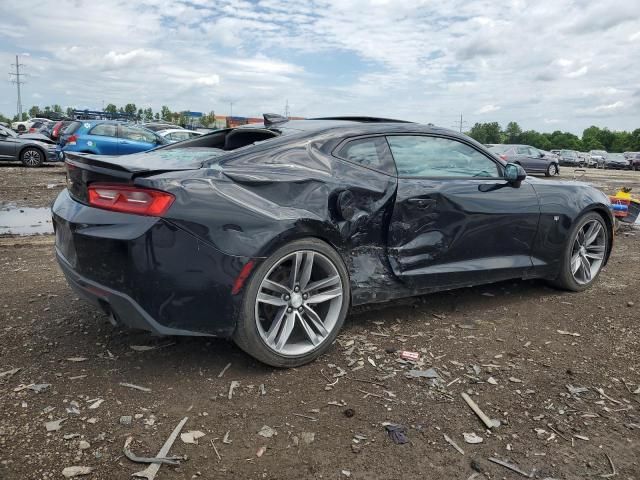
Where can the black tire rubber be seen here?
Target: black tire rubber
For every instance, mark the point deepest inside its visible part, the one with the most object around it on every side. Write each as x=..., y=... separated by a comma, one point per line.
x=247, y=336
x=565, y=280
x=40, y=152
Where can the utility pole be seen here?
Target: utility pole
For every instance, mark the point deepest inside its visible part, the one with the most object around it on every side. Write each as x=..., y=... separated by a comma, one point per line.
x=18, y=81
x=460, y=125
x=231, y=113
x=286, y=109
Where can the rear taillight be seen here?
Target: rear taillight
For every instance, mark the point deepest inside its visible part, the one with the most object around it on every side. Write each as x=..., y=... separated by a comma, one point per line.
x=32, y=130
x=129, y=199
x=503, y=157
x=72, y=140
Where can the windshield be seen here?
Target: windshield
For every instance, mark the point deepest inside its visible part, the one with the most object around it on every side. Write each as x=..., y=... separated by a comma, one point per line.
x=598, y=152
x=568, y=153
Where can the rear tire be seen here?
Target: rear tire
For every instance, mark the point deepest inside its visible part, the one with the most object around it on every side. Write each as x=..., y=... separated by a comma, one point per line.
x=32, y=157
x=278, y=324
x=581, y=250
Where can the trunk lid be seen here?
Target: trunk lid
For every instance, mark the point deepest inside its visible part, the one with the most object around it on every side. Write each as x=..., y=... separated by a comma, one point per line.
x=84, y=169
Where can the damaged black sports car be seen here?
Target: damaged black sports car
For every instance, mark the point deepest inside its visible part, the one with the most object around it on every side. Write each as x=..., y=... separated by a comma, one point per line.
x=269, y=234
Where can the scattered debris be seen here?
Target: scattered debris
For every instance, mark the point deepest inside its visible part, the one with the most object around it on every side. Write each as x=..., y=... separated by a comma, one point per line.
x=84, y=445
x=135, y=387
x=492, y=381
x=10, y=373
x=146, y=348
x=308, y=437
x=604, y=395
x=411, y=356
x=472, y=438
x=234, y=384
x=309, y=417
x=192, y=436
x=150, y=472
x=349, y=412
x=54, y=425
x=267, y=432
x=476, y=409
x=224, y=370
x=515, y=380
x=71, y=472
x=36, y=387
x=397, y=433
x=576, y=390
x=225, y=439
x=126, y=420
x=613, y=469
x=263, y=391
x=261, y=451
x=453, y=444
x=512, y=467
x=429, y=373
x=134, y=458
x=96, y=404
x=346, y=473
x=77, y=359
x=564, y=332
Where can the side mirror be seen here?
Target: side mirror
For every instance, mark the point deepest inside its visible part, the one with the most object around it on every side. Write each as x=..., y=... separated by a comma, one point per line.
x=3, y=133
x=542, y=154
x=514, y=174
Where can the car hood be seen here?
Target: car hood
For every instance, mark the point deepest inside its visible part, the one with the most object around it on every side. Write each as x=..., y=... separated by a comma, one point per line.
x=38, y=137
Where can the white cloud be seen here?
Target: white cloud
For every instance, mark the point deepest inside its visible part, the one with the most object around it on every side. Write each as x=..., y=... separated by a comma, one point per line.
x=487, y=109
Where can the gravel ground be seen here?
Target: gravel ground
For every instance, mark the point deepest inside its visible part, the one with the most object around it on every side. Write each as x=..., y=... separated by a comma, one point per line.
x=559, y=370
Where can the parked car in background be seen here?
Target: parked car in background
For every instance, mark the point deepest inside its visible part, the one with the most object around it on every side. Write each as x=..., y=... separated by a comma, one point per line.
x=157, y=126
x=634, y=160
x=58, y=128
x=38, y=125
x=570, y=158
x=25, y=125
x=551, y=156
x=616, y=161
x=229, y=234
x=31, y=152
x=108, y=137
x=599, y=156
x=178, y=134
x=530, y=158
x=585, y=159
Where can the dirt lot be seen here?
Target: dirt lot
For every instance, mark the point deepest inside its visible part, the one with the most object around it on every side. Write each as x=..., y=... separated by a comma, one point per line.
x=520, y=349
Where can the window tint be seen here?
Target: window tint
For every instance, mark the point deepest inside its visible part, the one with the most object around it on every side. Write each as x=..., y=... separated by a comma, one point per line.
x=523, y=151
x=137, y=134
x=369, y=152
x=179, y=135
x=423, y=156
x=533, y=152
x=104, y=129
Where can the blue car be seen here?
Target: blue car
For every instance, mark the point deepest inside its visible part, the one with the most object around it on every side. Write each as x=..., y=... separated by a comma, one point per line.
x=106, y=137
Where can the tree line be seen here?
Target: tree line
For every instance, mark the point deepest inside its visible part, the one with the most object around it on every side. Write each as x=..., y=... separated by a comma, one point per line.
x=593, y=138
x=130, y=109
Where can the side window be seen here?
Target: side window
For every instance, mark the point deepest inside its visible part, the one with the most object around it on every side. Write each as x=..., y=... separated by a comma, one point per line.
x=369, y=152
x=424, y=156
x=523, y=151
x=104, y=129
x=533, y=152
x=137, y=134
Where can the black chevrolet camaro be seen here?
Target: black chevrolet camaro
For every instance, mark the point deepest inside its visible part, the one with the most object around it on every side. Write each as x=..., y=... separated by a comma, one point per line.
x=270, y=234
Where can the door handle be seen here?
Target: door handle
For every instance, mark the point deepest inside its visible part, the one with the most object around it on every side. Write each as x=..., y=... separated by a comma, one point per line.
x=422, y=202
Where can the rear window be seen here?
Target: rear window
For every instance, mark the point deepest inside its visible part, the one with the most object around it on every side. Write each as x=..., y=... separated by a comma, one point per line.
x=500, y=148
x=369, y=152
x=71, y=128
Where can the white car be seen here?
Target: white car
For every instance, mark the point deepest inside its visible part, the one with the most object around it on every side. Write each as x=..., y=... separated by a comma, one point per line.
x=24, y=126
x=178, y=134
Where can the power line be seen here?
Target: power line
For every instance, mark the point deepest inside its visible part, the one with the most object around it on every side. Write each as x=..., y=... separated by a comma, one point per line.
x=16, y=78
x=459, y=125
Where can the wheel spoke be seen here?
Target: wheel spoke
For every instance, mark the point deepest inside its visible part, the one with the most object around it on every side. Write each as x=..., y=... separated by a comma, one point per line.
x=575, y=263
x=285, y=333
x=271, y=299
x=275, y=325
x=325, y=296
x=295, y=268
x=316, y=321
x=580, y=237
x=306, y=271
x=592, y=233
x=327, y=282
x=311, y=335
x=274, y=286
x=586, y=268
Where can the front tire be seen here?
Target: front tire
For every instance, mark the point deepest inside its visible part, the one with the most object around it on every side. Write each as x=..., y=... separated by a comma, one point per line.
x=32, y=157
x=552, y=170
x=584, y=253
x=294, y=304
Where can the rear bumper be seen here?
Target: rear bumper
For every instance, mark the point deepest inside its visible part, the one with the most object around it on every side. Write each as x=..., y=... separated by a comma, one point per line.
x=146, y=271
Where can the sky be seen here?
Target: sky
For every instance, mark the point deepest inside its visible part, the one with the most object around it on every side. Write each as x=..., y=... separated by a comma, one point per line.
x=547, y=64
